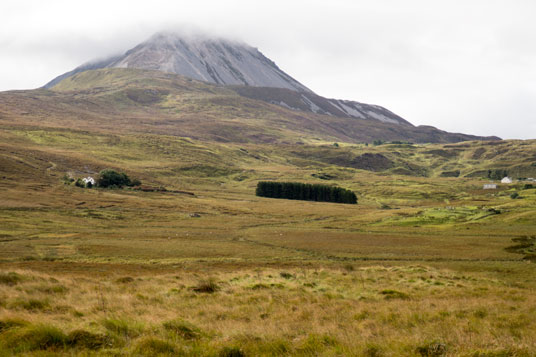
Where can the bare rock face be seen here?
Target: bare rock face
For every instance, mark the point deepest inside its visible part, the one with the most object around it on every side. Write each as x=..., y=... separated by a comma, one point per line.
x=310, y=102
x=211, y=60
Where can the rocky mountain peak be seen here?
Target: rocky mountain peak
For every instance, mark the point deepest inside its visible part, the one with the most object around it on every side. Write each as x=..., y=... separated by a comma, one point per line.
x=213, y=60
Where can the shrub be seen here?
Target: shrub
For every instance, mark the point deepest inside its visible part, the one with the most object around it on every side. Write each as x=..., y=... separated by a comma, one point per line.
x=497, y=174
x=111, y=178
x=67, y=179
x=183, y=329
x=514, y=195
x=80, y=183
x=86, y=339
x=528, y=186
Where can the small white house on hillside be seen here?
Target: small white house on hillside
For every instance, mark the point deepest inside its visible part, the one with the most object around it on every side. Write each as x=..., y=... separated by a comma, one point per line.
x=490, y=186
x=506, y=180
x=89, y=179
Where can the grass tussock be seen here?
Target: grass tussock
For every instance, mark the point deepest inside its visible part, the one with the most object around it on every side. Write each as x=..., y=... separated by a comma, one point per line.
x=125, y=280
x=10, y=278
x=286, y=275
x=9, y=323
x=31, y=304
x=208, y=286
x=231, y=352
x=391, y=294
x=432, y=349
x=83, y=339
x=34, y=337
x=153, y=346
x=123, y=328
x=183, y=329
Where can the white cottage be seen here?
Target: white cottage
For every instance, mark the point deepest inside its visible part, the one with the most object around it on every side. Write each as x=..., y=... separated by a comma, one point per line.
x=490, y=186
x=89, y=179
x=506, y=180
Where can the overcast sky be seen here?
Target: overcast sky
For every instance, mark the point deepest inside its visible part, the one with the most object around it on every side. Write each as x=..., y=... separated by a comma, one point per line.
x=460, y=65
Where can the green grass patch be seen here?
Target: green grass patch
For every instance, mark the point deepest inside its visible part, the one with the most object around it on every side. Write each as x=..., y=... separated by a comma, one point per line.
x=33, y=337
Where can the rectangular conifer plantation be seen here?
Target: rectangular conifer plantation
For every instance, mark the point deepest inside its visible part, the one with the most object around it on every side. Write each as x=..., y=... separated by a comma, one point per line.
x=305, y=192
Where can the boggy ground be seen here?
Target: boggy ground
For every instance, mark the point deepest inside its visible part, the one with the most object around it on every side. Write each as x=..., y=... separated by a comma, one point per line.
x=423, y=265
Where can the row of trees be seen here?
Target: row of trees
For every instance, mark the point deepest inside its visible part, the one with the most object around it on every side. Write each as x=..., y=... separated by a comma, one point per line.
x=381, y=142
x=305, y=191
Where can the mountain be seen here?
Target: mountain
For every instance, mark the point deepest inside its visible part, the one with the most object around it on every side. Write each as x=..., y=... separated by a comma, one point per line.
x=225, y=62
x=209, y=89
x=310, y=102
x=216, y=61
x=135, y=101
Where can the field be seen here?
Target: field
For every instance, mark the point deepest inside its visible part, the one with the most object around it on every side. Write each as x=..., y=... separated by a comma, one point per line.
x=423, y=265
x=428, y=263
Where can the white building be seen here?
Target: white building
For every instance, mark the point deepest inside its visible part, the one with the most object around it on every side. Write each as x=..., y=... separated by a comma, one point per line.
x=490, y=186
x=89, y=179
x=506, y=180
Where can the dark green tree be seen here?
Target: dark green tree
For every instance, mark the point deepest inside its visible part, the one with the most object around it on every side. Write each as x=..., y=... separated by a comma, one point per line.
x=112, y=178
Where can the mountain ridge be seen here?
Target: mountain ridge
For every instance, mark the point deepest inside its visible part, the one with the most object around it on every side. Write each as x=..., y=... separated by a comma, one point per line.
x=123, y=100
x=232, y=63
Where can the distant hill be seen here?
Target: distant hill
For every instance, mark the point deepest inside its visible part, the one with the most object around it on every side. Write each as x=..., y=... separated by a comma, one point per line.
x=120, y=100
